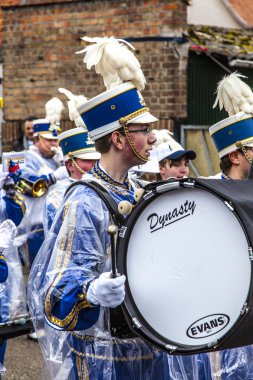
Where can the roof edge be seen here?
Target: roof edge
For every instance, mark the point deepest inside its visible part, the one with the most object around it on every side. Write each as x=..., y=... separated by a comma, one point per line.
x=234, y=14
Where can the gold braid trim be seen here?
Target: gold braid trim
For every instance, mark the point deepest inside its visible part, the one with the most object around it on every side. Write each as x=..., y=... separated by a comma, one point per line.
x=77, y=166
x=133, y=147
x=239, y=145
x=72, y=317
x=125, y=119
x=20, y=202
x=2, y=257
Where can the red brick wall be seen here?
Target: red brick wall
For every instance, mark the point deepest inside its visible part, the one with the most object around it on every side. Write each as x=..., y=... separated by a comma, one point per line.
x=40, y=41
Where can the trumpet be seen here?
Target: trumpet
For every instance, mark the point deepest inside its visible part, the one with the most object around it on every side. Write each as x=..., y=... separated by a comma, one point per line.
x=37, y=189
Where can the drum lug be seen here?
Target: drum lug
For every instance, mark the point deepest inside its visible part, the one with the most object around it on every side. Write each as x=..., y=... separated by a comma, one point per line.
x=136, y=323
x=250, y=253
x=167, y=186
x=228, y=204
x=188, y=184
x=244, y=309
x=170, y=348
x=122, y=231
x=213, y=344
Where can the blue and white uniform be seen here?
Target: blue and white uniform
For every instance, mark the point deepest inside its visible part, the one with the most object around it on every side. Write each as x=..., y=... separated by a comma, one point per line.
x=75, y=252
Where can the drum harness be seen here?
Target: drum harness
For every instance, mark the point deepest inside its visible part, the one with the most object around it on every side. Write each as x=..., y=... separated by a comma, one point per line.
x=118, y=324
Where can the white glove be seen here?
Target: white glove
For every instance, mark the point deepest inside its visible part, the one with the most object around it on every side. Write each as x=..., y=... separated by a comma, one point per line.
x=3, y=177
x=58, y=156
x=107, y=291
x=8, y=232
x=20, y=240
x=61, y=173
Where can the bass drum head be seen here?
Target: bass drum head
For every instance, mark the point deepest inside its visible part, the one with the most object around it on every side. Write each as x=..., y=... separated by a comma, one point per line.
x=186, y=258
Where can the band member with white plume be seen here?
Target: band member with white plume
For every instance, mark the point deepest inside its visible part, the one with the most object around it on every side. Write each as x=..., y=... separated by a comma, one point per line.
x=79, y=156
x=233, y=136
x=71, y=285
x=44, y=160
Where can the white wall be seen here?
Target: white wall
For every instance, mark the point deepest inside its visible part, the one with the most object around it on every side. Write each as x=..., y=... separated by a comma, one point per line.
x=212, y=13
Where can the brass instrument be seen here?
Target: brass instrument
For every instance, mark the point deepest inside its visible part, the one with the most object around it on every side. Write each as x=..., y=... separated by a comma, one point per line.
x=37, y=189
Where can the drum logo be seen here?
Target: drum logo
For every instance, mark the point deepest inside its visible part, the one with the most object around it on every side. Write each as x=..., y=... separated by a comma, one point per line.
x=160, y=221
x=208, y=326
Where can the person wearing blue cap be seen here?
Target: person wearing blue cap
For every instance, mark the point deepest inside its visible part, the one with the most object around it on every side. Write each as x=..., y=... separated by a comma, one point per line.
x=71, y=290
x=174, y=160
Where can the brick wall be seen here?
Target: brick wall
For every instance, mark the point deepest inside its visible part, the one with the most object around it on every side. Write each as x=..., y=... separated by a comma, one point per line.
x=40, y=40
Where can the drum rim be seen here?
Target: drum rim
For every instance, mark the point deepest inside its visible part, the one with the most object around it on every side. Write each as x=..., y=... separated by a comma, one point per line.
x=129, y=306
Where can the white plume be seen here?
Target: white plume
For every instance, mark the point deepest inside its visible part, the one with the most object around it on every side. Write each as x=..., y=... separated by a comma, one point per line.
x=162, y=136
x=114, y=61
x=74, y=101
x=234, y=95
x=54, y=108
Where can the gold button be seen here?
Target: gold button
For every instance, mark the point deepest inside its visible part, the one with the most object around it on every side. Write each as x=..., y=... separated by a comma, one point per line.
x=113, y=107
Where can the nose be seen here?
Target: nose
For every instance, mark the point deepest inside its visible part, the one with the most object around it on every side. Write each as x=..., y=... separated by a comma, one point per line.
x=152, y=139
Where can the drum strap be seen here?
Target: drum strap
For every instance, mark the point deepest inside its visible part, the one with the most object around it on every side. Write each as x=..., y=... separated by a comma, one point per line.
x=118, y=323
x=104, y=195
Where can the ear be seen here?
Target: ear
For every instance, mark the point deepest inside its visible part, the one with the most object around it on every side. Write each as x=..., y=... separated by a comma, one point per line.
x=162, y=170
x=68, y=164
x=117, y=140
x=235, y=157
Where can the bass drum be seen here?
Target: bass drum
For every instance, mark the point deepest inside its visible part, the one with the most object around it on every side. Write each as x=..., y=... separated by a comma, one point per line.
x=187, y=259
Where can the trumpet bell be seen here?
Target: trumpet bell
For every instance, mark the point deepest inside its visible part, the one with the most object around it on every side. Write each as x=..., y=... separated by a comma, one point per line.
x=37, y=189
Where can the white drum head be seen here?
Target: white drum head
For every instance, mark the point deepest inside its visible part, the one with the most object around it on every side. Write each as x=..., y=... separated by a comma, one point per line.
x=188, y=267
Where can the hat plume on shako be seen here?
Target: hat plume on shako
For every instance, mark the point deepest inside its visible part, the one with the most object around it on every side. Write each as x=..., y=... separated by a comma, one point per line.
x=122, y=103
x=236, y=131
x=49, y=127
x=76, y=142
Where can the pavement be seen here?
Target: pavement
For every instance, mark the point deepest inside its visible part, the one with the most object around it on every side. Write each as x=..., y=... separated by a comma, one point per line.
x=23, y=359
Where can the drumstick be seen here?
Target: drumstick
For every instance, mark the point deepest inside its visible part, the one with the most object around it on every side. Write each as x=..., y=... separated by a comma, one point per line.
x=112, y=230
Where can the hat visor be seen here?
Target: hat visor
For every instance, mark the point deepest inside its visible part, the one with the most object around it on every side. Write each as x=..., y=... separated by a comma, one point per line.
x=144, y=118
x=190, y=154
x=86, y=156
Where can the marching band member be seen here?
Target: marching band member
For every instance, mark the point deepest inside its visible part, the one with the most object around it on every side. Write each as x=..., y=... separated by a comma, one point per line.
x=167, y=160
x=71, y=291
x=11, y=289
x=174, y=160
x=233, y=138
x=79, y=155
x=44, y=160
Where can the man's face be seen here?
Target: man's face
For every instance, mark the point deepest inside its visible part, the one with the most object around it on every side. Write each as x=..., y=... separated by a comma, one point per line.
x=28, y=130
x=143, y=139
x=45, y=146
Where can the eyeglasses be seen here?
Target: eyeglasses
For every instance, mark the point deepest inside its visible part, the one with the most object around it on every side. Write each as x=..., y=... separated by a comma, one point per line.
x=146, y=131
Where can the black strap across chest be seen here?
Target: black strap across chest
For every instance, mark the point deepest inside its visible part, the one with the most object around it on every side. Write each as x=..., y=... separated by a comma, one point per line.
x=104, y=195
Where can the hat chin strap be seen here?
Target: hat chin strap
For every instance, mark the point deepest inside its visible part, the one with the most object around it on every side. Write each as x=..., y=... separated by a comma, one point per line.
x=239, y=145
x=76, y=165
x=133, y=147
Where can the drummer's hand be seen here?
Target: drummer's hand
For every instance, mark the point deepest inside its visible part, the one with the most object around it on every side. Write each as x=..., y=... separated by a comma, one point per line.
x=107, y=291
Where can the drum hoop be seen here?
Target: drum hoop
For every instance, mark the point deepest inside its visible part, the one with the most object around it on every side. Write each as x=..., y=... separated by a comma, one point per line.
x=135, y=319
